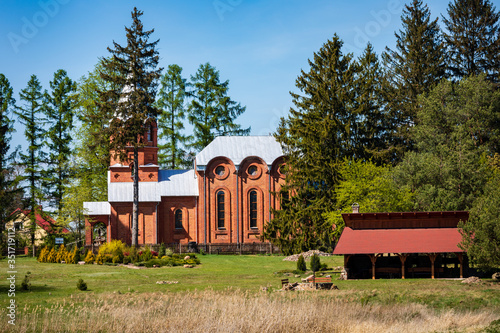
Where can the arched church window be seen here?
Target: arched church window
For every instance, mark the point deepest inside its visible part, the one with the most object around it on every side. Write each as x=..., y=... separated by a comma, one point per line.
x=252, y=196
x=220, y=210
x=178, y=218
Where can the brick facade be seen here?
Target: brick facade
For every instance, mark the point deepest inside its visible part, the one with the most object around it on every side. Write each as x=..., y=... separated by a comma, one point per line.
x=232, y=204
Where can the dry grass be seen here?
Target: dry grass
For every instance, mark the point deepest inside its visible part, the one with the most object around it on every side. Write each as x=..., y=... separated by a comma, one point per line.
x=237, y=311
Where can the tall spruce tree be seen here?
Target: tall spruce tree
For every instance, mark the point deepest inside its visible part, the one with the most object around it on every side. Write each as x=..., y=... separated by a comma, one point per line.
x=59, y=110
x=315, y=137
x=7, y=185
x=171, y=99
x=211, y=111
x=31, y=116
x=131, y=105
x=417, y=65
x=371, y=123
x=473, y=38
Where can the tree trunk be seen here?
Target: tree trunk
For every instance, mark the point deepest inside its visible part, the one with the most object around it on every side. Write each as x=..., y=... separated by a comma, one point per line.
x=135, y=206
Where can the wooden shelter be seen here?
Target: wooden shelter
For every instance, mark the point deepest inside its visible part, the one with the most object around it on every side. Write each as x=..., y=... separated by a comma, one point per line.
x=416, y=244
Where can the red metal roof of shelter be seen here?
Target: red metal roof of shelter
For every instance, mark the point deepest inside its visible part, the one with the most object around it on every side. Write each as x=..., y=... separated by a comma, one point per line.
x=370, y=241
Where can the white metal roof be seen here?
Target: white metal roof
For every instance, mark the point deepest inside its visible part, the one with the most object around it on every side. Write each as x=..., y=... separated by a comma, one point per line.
x=170, y=183
x=97, y=208
x=237, y=148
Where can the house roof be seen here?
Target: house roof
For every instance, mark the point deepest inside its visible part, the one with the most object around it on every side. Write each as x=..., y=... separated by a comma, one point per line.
x=237, y=148
x=170, y=183
x=420, y=240
x=47, y=223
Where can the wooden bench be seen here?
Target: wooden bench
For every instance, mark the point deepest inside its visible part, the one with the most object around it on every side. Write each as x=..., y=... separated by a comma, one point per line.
x=323, y=283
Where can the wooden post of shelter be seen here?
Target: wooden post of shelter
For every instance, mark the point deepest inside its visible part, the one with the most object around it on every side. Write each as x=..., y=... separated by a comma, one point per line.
x=402, y=257
x=373, y=259
x=432, y=257
x=461, y=260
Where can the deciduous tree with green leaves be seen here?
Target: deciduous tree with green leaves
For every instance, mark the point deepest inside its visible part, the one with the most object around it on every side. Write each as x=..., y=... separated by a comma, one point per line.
x=457, y=128
x=481, y=233
x=372, y=187
x=131, y=105
x=171, y=99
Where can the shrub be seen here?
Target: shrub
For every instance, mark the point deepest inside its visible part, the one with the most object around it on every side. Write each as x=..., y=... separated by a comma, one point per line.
x=81, y=285
x=145, y=254
x=61, y=254
x=116, y=259
x=134, y=257
x=52, y=255
x=126, y=260
x=89, y=259
x=43, y=255
x=169, y=252
x=301, y=264
x=26, y=285
x=162, y=250
x=315, y=263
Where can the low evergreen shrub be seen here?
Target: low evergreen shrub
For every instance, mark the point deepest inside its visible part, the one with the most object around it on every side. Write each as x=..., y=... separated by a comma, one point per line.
x=26, y=285
x=315, y=263
x=81, y=285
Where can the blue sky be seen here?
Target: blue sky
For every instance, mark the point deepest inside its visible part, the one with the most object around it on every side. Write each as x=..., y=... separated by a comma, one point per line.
x=259, y=46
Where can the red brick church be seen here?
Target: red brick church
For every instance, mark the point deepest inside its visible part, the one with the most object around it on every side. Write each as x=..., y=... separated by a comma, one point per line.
x=225, y=199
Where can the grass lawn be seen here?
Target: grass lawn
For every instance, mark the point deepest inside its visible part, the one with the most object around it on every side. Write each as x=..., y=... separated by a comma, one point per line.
x=54, y=285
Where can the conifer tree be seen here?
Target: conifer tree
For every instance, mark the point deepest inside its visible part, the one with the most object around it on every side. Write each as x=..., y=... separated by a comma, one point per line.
x=473, y=38
x=211, y=111
x=7, y=183
x=369, y=129
x=417, y=64
x=130, y=102
x=315, y=137
x=171, y=101
x=31, y=116
x=59, y=109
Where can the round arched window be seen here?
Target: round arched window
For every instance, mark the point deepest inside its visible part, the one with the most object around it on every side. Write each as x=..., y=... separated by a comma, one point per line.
x=252, y=170
x=220, y=171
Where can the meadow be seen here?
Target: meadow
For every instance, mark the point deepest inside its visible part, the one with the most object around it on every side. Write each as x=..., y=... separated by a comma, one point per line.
x=238, y=294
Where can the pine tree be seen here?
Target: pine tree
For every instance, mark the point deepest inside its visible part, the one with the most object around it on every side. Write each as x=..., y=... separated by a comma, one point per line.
x=315, y=137
x=31, y=116
x=473, y=38
x=417, y=64
x=131, y=103
x=59, y=109
x=211, y=111
x=171, y=101
x=8, y=188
